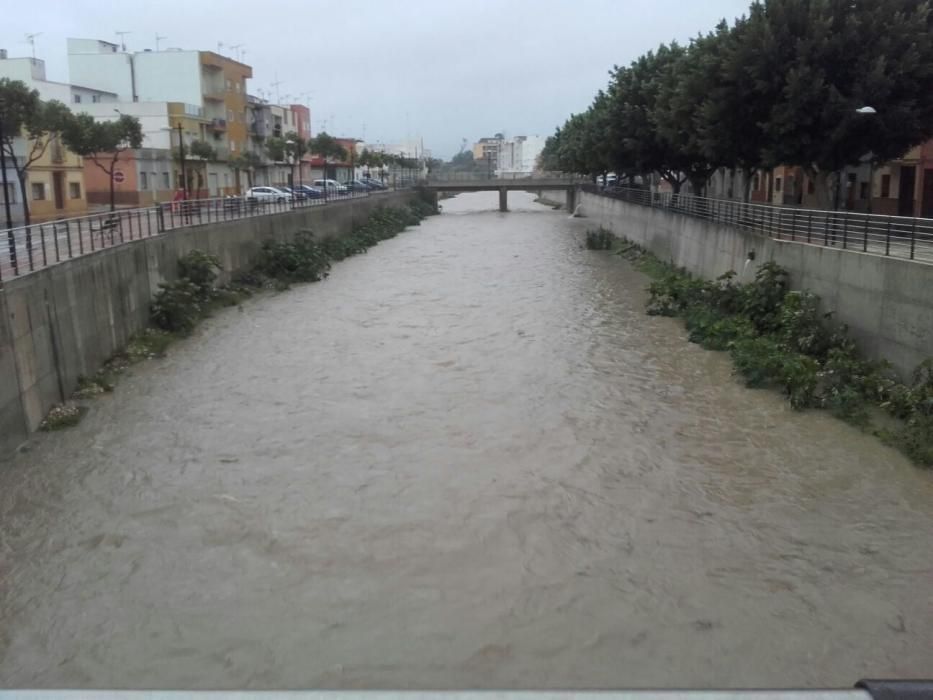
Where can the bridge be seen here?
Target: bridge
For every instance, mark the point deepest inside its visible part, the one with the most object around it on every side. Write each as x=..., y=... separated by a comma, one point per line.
x=504, y=183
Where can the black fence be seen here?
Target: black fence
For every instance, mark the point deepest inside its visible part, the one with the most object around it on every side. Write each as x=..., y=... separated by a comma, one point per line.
x=895, y=236
x=24, y=249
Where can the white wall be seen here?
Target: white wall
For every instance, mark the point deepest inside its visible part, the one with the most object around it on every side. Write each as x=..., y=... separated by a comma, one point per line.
x=109, y=72
x=153, y=116
x=172, y=76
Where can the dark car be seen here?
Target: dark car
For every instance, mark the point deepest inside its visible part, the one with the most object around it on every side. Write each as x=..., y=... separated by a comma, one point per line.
x=309, y=192
x=374, y=184
x=357, y=186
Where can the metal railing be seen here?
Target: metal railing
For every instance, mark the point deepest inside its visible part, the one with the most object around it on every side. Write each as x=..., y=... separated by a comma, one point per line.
x=25, y=249
x=483, y=176
x=894, y=236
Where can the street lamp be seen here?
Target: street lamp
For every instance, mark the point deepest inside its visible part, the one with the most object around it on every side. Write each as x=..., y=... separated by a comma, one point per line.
x=289, y=145
x=868, y=110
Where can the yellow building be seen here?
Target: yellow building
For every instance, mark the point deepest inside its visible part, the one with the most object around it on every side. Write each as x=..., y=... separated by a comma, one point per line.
x=55, y=184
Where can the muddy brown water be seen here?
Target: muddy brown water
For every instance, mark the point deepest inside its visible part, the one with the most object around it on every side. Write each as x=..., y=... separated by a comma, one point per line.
x=467, y=459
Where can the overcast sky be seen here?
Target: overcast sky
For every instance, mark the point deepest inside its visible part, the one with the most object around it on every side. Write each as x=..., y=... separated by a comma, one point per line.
x=382, y=70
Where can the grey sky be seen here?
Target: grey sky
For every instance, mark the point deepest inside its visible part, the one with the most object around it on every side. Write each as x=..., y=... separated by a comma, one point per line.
x=444, y=70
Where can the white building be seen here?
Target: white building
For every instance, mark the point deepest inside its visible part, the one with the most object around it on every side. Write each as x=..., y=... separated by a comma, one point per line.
x=31, y=71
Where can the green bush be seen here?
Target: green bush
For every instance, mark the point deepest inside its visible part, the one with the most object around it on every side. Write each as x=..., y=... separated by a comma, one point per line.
x=762, y=298
x=177, y=306
x=300, y=260
x=201, y=270
x=600, y=239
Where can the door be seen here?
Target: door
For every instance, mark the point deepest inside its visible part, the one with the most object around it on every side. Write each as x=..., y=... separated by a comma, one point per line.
x=212, y=183
x=905, y=192
x=58, y=189
x=926, y=205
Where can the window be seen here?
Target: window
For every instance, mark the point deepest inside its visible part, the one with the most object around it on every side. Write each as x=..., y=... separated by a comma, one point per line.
x=863, y=190
x=811, y=188
x=226, y=179
x=95, y=98
x=229, y=85
x=777, y=184
x=38, y=191
x=74, y=190
x=11, y=193
x=153, y=179
x=166, y=182
x=885, y=185
x=229, y=115
x=143, y=181
x=77, y=99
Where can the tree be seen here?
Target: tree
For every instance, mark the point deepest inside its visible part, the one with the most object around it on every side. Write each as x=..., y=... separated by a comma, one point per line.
x=23, y=114
x=295, y=147
x=275, y=149
x=103, y=142
x=248, y=162
x=815, y=63
x=463, y=161
x=327, y=147
x=202, y=149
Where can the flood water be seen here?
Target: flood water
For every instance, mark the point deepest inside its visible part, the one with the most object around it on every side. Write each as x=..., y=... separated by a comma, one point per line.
x=467, y=459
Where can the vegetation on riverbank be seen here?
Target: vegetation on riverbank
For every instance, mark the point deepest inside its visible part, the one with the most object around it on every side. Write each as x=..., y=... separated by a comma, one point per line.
x=779, y=338
x=179, y=306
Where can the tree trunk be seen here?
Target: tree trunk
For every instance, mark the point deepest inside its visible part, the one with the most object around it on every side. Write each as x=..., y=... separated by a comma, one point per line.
x=748, y=174
x=113, y=196
x=27, y=219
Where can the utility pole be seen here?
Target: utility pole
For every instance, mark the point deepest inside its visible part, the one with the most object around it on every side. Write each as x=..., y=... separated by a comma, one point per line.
x=122, y=36
x=158, y=39
x=181, y=154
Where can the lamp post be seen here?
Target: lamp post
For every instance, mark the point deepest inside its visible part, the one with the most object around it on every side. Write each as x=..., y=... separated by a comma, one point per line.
x=289, y=144
x=181, y=156
x=868, y=110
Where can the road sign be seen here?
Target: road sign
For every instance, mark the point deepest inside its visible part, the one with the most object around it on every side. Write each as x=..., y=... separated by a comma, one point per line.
x=118, y=176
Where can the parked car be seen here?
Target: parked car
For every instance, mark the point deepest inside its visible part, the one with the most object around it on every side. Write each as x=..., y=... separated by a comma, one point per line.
x=358, y=186
x=332, y=186
x=374, y=184
x=296, y=194
x=268, y=194
x=309, y=192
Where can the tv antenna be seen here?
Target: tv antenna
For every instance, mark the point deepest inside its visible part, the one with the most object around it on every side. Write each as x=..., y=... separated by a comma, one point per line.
x=159, y=38
x=236, y=50
x=31, y=40
x=278, y=96
x=122, y=36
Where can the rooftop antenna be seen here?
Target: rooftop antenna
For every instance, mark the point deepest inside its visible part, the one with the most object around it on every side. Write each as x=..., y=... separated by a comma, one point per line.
x=220, y=46
x=122, y=36
x=278, y=97
x=31, y=40
x=242, y=55
x=236, y=50
x=159, y=38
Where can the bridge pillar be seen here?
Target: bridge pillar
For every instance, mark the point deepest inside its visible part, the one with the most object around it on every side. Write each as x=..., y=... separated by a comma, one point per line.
x=571, y=199
x=503, y=199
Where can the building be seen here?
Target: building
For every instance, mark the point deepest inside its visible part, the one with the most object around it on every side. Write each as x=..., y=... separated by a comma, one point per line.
x=55, y=185
x=487, y=149
x=201, y=91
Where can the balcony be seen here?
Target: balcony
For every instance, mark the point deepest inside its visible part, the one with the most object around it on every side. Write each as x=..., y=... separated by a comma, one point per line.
x=218, y=124
x=258, y=129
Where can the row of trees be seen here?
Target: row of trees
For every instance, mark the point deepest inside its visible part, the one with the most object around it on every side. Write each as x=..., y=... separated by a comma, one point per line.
x=781, y=86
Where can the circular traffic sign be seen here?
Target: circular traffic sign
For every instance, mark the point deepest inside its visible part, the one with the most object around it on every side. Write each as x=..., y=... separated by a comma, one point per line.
x=118, y=176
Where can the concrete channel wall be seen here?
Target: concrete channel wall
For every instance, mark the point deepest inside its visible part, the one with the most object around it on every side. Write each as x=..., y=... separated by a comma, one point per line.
x=886, y=302
x=66, y=320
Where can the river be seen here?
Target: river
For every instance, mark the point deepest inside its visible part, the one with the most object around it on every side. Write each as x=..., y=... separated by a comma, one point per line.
x=467, y=459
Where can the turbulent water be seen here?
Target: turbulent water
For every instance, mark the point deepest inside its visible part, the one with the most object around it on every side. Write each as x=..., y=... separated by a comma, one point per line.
x=467, y=459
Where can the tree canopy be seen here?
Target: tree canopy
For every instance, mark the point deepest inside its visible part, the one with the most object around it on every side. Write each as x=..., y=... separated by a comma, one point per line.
x=781, y=85
x=23, y=114
x=103, y=141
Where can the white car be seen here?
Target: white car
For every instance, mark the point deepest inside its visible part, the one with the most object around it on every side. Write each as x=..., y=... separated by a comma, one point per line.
x=332, y=186
x=268, y=194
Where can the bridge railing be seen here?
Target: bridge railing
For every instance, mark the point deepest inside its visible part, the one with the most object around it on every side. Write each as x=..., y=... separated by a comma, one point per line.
x=25, y=249
x=894, y=236
x=510, y=176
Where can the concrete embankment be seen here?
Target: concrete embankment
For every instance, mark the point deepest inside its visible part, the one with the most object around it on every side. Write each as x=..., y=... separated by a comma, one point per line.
x=886, y=302
x=64, y=321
